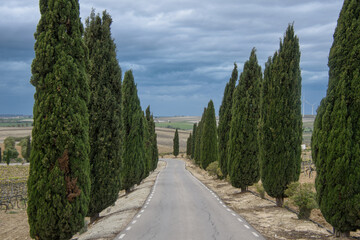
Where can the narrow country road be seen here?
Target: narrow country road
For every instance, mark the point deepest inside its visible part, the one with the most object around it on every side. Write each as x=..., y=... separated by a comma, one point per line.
x=181, y=207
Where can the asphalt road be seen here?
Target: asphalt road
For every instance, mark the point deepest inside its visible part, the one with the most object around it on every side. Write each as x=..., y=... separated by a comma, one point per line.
x=181, y=207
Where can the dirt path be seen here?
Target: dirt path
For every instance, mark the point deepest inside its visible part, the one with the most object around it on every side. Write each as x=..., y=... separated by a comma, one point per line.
x=271, y=221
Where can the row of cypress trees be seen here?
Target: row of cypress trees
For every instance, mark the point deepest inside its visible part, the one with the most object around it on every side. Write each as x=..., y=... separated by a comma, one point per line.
x=90, y=136
x=202, y=144
x=260, y=123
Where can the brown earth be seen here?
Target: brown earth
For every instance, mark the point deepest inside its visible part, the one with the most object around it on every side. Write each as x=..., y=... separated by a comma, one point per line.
x=271, y=221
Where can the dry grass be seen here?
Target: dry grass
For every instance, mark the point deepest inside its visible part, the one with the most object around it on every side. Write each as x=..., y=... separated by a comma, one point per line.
x=165, y=138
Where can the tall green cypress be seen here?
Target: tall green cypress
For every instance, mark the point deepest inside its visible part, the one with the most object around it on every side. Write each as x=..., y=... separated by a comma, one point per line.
x=147, y=144
x=243, y=141
x=133, y=134
x=335, y=141
x=153, y=136
x=176, y=143
x=59, y=182
x=199, y=131
x=104, y=114
x=225, y=116
x=188, y=145
x=209, y=144
x=193, y=141
x=280, y=118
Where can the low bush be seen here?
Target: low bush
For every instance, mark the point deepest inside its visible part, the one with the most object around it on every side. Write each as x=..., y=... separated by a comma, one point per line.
x=302, y=196
x=260, y=189
x=214, y=170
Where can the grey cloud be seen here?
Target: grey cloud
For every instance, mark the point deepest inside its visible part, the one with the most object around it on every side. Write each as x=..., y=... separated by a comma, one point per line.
x=182, y=51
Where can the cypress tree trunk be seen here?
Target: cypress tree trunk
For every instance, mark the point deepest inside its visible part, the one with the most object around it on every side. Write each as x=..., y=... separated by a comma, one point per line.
x=280, y=118
x=225, y=116
x=335, y=140
x=243, y=141
x=209, y=145
x=133, y=135
x=176, y=143
x=59, y=183
x=104, y=114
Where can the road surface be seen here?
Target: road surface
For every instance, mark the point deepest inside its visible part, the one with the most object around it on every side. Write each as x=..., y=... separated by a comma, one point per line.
x=181, y=207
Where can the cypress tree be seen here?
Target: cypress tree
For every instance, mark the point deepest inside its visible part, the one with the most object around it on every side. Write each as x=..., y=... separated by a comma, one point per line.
x=209, y=145
x=152, y=142
x=225, y=116
x=243, y=141
x=104, y=114
x=280, y=118
x=198, y=139
x=176, y=143
x=188, y=145
x=133, y=135
x=193, y=141
x=154, y=151
x=335, y=140
x=147, y=145
x=59, y=183
x=0, y=154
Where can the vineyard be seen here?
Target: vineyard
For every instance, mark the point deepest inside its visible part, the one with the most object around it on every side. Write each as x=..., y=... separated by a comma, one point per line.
x=13, y=189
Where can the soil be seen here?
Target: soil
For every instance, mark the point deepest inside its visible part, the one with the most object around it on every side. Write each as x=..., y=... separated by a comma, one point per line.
x=271, y=221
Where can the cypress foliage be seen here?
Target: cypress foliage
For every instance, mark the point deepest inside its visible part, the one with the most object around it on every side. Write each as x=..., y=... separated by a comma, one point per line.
x=0, y=155
x=243, y=141
x=335, y=140
x=154, y=151
x=280, y=118
x=188, y=145
x=28, y=149
x=199, y=131
x=176, y=143
x=193, y=141
x=209, y=144
x=225, y=116
x=133, y=134
x=59, y=183
x=153, y=141
x=104, y=114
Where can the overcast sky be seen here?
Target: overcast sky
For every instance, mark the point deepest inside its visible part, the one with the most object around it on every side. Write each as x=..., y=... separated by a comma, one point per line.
x=181, y=51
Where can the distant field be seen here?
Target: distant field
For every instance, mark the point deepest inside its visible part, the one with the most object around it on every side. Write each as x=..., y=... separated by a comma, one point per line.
x=183, y=123
x=16, y=122
x=178, y=125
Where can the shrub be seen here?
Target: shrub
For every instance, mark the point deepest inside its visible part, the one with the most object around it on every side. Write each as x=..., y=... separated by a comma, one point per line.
x=214, y=170
x=260, y=189
x=302, y=196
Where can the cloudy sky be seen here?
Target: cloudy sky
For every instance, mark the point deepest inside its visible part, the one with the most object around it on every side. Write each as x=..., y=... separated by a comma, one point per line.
x=181, y=51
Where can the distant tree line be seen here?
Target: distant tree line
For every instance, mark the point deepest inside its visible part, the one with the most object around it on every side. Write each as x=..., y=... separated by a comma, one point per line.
x=91, y=138
x=260, y=127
